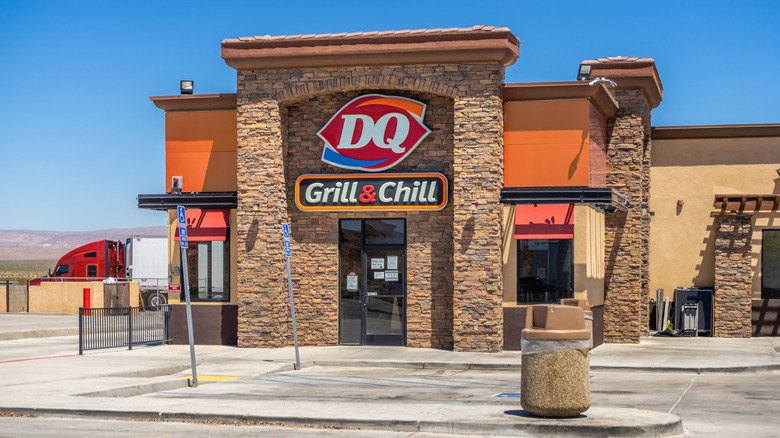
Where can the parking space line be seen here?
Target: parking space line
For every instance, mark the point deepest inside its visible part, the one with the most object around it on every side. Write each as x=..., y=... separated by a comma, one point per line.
x=384, y=379
x=37, y=358
x=332, y=380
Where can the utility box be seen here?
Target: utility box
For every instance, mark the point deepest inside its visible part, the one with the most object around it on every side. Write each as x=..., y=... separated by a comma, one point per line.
x=690, y=319
x=700, y=297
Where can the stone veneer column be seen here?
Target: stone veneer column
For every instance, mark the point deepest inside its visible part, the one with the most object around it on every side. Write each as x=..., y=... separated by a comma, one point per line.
x=477, y=182
x=626, y=275
x=733, y=276
x=625, y=313
x=262, y=208
x=625, y=306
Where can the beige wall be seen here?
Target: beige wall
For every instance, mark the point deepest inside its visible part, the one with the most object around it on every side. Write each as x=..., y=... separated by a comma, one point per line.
x=509, y=255
x=694, y=170
x=174, y=251
x=588, y=255
x=67, y=297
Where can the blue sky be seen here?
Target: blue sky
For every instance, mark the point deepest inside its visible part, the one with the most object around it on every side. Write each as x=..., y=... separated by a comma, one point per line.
x=79, y=138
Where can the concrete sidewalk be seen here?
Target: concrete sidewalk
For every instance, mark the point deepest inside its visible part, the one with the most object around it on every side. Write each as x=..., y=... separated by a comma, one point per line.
x=44, y=376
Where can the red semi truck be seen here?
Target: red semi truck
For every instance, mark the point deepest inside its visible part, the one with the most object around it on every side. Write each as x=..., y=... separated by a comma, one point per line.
x=140, y=258
x=93, y=261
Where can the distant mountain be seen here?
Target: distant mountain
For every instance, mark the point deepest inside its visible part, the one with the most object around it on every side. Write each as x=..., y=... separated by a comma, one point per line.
x=51, y=245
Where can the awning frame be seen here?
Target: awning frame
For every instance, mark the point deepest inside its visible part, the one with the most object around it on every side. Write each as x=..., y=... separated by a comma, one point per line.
x=605, y=199
x=203, y=200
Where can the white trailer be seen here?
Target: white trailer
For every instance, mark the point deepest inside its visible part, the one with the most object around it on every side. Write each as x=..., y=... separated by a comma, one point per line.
x=146, y=261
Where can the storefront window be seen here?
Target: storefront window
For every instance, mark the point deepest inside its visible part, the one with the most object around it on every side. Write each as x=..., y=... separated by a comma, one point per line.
x=544, y=270
x=207, y=269
x=770, y=265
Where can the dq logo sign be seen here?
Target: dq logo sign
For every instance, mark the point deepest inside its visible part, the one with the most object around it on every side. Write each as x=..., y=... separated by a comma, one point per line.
x=373, y=132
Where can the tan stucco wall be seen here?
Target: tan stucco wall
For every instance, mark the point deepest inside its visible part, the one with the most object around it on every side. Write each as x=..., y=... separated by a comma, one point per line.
x=67, y=297
x=694, y=170
x=174, y=257
x=509, y=255
x=588, y=255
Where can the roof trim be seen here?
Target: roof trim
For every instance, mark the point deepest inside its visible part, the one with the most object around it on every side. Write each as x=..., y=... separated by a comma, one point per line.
x=715, y=131
x=479, y=44
x=195, y=102
x=630, y=72
x=599, y=95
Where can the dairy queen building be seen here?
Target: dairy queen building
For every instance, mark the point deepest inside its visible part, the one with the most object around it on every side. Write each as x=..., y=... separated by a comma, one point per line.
x=429, y=203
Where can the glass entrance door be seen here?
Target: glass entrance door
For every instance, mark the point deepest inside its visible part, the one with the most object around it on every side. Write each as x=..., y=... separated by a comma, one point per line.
x=383, y=302
x=372, y=282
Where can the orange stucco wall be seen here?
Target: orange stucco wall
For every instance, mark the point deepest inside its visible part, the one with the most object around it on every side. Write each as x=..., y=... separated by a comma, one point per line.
x=200, y=146
x=547, y=143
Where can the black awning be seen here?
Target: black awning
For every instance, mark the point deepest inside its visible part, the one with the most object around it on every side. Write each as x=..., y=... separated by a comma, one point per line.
x=168, y=201
x=609, y=200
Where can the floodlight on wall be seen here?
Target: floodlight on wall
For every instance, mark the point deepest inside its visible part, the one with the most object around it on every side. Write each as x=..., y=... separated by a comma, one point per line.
x=597, y=81
x=584, y=72
x=186, y=87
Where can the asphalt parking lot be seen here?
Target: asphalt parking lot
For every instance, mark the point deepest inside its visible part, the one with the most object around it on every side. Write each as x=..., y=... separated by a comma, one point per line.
x=718, y=404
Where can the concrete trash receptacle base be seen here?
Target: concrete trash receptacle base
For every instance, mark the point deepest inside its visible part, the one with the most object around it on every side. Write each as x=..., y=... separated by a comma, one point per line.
x=555, y=379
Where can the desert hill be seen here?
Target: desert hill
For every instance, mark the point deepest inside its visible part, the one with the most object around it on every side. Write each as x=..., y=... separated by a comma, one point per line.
x=51, y=245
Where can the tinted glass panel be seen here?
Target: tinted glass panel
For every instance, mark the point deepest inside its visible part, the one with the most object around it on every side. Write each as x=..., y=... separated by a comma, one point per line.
x=385, y=272
x=61, y=270
x=384, y=231
x=349, y=282
x=208, y=275
x=544, y=270
x=770, y=265
x=91, y=270
x=384, y=315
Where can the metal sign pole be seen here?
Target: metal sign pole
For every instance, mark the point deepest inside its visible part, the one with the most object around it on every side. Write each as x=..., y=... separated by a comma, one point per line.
x=185, y=280
x=288, y=254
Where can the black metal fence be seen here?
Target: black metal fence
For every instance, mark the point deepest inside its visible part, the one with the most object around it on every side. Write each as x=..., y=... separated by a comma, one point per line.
x=123, y=327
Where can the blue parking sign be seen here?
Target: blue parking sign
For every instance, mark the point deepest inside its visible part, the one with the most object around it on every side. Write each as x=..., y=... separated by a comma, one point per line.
x=182, y=226
x=286, y=233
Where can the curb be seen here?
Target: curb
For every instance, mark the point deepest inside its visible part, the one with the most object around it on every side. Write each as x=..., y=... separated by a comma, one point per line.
x=518, y=367
x=50, y=333
x=612, y=422
x=693, y=370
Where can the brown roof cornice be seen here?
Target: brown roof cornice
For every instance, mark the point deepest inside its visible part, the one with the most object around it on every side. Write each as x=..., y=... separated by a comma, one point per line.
x=195, y=102
x=479, y=44
x=715, y=131
x=598, y=94
x=630, y=72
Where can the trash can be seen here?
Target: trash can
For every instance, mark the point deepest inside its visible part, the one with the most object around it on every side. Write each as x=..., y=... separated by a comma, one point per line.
x=555, y=379
x=585, y=306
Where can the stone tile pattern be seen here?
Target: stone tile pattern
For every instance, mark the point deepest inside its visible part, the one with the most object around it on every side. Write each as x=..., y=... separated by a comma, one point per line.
x=733, y=276
x=626, y=233
x=453, y=268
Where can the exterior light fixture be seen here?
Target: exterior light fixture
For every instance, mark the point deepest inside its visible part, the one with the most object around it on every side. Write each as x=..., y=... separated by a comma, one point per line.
x=584, y=73
x=778, y=172
x=186, y=86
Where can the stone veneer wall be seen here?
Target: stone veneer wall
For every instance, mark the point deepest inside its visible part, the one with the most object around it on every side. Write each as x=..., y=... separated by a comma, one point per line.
x=627, y=233
x=733, y=276
x=453, y=256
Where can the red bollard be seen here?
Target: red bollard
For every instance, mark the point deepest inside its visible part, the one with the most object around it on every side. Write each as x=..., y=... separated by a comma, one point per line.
x=86, y=301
